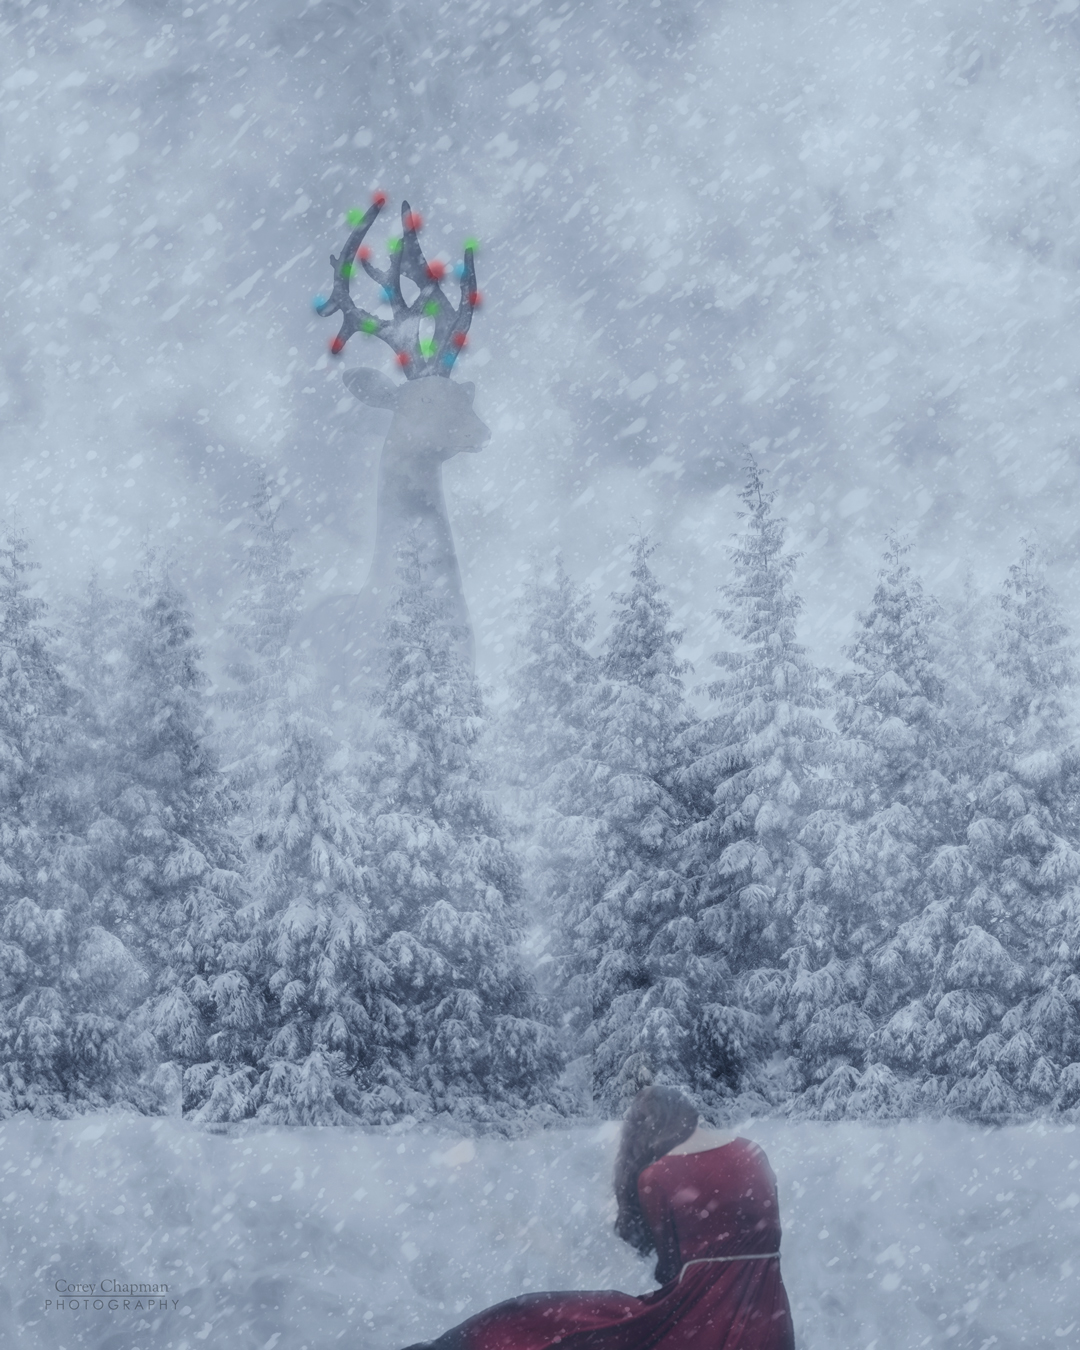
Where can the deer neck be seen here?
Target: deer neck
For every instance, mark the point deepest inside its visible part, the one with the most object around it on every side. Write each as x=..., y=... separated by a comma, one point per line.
x=411, y=505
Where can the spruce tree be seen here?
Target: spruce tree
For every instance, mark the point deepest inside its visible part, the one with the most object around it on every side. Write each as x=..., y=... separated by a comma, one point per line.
x=1061, y=1011
x=315, y=1017
x=56, y=1037
x=552, y=687
x=159, y=864
x=891, y=806
x=33, y=1031
x=68, y=983
x=446, y=892
x=1000, y=1026
x=546, y=774
x=618, y=942
x=753, y=773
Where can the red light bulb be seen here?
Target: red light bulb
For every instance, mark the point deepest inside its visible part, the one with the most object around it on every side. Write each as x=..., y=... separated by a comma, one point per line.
x=337, y=346
x=413, y=221
x=403, y=358
x=459, y=340
x=363, y=253
x=436, y=270
x=378, y=197
x=475, y=299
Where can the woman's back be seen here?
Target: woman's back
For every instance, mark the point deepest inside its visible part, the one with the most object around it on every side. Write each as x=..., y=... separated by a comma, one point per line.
x=716, y=1203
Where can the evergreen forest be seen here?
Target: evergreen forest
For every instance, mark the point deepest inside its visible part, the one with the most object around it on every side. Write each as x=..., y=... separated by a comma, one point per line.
x=785, y=890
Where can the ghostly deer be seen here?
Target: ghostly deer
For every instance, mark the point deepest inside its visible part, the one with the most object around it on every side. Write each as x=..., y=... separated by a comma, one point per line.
x=433, y=420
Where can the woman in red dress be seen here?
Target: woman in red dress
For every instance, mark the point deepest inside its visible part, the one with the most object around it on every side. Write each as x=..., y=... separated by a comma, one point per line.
x=709, y=1210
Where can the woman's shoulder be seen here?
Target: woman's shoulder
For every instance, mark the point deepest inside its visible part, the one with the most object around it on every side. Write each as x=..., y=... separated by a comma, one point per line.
x=703, y=1141
x=676, y=1160
x=670, y=1169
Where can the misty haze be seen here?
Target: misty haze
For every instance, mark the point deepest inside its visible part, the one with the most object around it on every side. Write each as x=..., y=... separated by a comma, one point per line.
x=537, y=568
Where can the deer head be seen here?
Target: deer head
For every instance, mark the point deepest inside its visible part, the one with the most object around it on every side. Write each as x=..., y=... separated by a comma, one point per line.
x=435, y=416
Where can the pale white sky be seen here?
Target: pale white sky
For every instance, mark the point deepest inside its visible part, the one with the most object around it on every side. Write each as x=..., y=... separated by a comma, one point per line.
x=844, y=235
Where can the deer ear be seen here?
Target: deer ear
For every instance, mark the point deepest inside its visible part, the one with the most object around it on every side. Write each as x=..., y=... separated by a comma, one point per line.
x=371, y=387
x=470, y=389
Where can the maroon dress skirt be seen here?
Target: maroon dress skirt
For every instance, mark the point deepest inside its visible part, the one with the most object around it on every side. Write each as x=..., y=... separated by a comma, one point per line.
x=716, y=1222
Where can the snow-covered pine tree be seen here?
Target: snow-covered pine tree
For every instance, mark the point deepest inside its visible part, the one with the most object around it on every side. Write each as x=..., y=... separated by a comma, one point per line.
x=1001, y=1029
x=545, y=767
x=753, y=773
x=316, y=1016
x=891, y=807
x=617, y=943
x=971, y=682
x=552, y=683
x=33, y=1011
x=58, y=973
x=161, y=868
x=446, y=891
x=1059, y=1007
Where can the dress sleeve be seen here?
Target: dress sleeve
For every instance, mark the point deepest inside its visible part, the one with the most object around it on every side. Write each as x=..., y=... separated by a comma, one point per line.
x=656, y=1206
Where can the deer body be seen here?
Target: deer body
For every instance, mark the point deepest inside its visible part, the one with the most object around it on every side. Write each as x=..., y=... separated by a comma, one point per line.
x=433, y=420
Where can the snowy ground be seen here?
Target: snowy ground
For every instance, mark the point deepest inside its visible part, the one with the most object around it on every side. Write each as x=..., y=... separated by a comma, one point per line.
x=904, y=1236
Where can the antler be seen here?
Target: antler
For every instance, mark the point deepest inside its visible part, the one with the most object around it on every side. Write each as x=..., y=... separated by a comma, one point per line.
x=433, y=356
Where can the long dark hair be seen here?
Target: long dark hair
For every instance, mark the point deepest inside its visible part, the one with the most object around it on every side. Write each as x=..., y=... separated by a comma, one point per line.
x=657, y=1119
